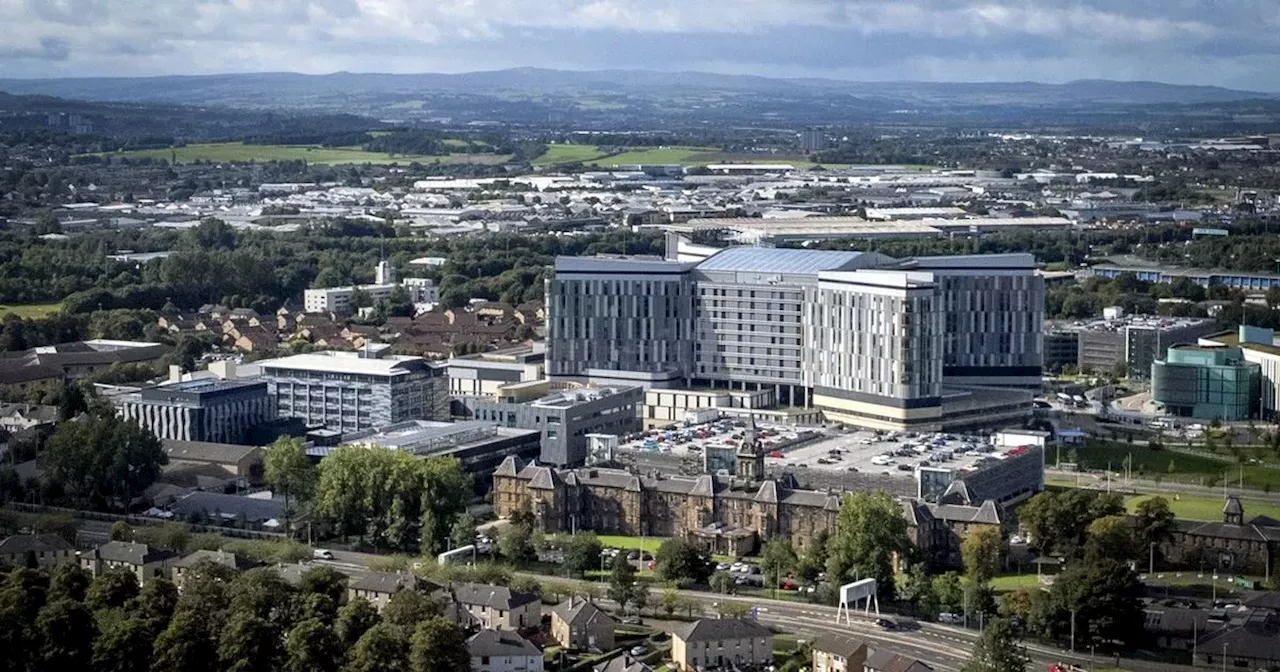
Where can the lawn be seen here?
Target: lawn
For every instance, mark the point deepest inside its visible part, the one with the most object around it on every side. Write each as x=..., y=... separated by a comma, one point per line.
x=1171, y=466
x=649, y=544
x=1206, y=508
x=1008, y=582
x=236, y=152
x=31, y=311
x=567, y=154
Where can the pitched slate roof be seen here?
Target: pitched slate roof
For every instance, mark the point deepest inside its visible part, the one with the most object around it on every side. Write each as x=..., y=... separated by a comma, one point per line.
x=883, y=660
x=21, y=544
x=218, y=558
x=624, y=663
x=845, y=647
x=494, y=597
x=720, y=628
x=204, y=451
x=384, y=582
x=576, y=611
x=501, y=644
x=129, y=553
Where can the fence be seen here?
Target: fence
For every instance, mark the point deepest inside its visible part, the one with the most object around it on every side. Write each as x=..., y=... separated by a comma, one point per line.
x=139, y=521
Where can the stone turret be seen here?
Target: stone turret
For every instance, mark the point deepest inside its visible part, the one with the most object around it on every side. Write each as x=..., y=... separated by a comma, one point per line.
x=751, y=455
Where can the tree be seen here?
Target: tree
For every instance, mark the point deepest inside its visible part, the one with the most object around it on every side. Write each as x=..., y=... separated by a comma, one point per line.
x=112, y=589
x=980, y=553
x=622, y=582
x=312, y=646
x=354, y=619
x=123, y=645
x=1106, y=595
x=71, y=402
x=949, y=591
x=997, y=650
x=1153, y=523
x=187, y=645
x=439, y=645
x=155, y=604
x=463, y=532
x=120, y=531
x=917, y=590
x=380, y=649
x=776, y=558
x=248, y=643
x=407, y=608
x=1110, y=537
x=582, y=553
x=263, y=593
x=1019, y=603
x=323, y=580
x=670, y=600
x=1058, y=521
x=68, y=582
x=680, y=560
x=870, y=532
x=721, y=582
x=67, y=631
x=102, y=458
x=289, y=470
x=515, y=543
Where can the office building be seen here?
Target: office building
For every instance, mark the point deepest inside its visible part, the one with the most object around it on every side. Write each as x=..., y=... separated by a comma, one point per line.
x=206, y=410
x=1128, y=342
x=866, y=339
x=341, y=300
x=813, y=139
x=352, y=391
x=1212, y=383
x=482, y=374
x=1061, y=350
x=1260, y=347
x=564, y=413
x=479, y=446
x=1204, y=278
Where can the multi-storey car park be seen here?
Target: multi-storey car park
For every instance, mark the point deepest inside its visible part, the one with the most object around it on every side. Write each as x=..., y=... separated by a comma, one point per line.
x=925, y=344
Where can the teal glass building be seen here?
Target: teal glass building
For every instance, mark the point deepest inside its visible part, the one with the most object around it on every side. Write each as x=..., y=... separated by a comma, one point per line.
x=1206, y=383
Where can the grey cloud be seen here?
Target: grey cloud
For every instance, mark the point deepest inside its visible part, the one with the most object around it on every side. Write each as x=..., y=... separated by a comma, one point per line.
x=1237, y=41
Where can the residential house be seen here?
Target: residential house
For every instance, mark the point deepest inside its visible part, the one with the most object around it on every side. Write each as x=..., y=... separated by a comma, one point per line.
x=18, y=417
x=144, y=562
x=498, y=607
x=836, y=653
x=721, y=642
x=579, y=624
x=503, y=651
x=41, y=551
x=884, y=660
x=182, y=566
x=623, y=663
x=378, y=587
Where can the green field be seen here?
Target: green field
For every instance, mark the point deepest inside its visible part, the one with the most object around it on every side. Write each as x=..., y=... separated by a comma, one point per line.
x=1148, y=463
x=1004, y=584
x=236, y=152
x=1206, y=508
x=592, y=155
x=31, y=311
x=649, y=544
x=567, y=154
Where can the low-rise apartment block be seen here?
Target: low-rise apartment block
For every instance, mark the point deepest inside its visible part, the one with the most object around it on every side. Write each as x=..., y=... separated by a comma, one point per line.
x=353, y=391
x=726, y=643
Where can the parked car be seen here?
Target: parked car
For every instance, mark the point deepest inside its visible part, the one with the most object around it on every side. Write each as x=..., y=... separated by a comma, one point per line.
x=639, y=650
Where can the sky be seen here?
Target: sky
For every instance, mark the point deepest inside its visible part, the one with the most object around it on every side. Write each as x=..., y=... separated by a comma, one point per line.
x=1233, y=43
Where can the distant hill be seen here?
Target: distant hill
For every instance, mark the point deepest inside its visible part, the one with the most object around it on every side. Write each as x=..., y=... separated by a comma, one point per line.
x=363, y=92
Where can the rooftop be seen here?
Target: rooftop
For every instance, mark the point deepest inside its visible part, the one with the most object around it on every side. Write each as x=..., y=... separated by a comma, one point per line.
x=502, y=644
x=343, y=362
x=203, y=451
x=779, y=260
x=720, y=629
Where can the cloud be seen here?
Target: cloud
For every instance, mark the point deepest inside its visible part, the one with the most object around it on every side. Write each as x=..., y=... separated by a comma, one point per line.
x=1232, y=42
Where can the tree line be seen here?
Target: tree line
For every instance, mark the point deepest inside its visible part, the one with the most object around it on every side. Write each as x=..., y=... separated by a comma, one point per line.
x=221, y=619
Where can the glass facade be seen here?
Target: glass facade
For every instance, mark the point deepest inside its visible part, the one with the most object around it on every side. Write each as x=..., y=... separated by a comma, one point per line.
x=1206, y=383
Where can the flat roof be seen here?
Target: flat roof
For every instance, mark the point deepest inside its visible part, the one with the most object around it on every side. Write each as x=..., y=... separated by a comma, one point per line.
x=343, y=362
x=778, y=260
